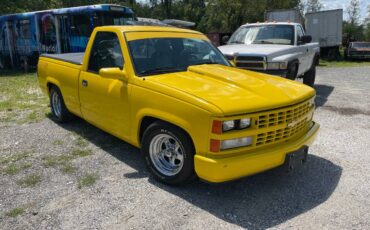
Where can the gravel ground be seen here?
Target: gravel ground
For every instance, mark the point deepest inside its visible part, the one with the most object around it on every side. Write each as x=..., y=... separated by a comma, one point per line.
x=75, y=176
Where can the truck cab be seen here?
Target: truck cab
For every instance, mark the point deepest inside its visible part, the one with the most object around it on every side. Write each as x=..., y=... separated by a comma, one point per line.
x=281, y=49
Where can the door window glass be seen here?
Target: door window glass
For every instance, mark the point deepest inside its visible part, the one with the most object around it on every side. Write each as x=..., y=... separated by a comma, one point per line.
x=106, y=52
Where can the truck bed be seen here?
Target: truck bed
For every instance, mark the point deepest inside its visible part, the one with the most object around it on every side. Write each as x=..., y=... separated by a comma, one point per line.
x=74, y=58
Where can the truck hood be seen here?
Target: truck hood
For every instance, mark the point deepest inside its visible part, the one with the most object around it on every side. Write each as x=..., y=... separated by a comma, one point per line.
x=233, y=91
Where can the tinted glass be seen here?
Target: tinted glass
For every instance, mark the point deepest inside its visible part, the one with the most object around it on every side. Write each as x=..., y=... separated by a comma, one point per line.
x=106, y=52
x=151, y=56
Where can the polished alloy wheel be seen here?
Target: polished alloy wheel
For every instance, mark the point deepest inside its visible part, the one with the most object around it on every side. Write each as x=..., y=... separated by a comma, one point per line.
x=167, y=154
x=57, y=104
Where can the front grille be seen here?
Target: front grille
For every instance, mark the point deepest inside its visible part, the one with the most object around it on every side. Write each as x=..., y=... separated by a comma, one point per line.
x=252, y=65
x=283, y=116
x=288, y=122
x=281, y=134
x=249, y=58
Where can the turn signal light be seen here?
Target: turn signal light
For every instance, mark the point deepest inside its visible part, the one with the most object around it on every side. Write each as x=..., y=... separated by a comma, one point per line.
x=215, y=145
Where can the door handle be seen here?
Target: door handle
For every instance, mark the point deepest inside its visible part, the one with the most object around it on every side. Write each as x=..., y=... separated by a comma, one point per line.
x=84, y=83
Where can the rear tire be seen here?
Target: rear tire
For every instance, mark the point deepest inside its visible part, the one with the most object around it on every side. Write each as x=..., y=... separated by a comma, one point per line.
x=168, y=153
x=58, y=108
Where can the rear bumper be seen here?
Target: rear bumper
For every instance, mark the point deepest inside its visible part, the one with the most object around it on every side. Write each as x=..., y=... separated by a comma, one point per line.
x=225, y=169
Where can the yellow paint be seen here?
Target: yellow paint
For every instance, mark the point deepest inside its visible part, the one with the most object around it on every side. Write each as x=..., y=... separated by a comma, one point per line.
x=191, y=100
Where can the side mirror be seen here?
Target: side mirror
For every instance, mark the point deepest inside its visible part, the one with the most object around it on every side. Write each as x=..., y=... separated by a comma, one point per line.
x=305, y=39
x=113, y=73
x=225, y=39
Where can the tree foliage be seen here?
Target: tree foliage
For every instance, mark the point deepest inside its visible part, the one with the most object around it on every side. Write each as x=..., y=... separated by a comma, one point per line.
x=209, y=15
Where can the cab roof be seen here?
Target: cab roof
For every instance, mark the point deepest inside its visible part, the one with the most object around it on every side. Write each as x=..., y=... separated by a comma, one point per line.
x=271, y=23
x=139, y=28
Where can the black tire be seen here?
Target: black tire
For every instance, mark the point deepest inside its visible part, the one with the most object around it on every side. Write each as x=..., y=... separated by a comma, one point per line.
x=58, y=108
x=310, y=76
x=292, y=71
x=159, y=130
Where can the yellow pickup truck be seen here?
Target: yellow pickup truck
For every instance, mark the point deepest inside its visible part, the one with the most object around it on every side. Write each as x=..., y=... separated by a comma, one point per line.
x=170, y=92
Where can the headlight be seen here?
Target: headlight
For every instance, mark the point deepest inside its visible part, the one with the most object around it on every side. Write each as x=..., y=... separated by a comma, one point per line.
x=228, y=125
x=219, y=127
x=245, y=123
x=276, y=65
x=236, y=143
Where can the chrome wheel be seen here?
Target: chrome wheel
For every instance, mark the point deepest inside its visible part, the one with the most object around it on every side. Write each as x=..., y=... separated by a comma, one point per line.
x=56, y=103
x=167, y=154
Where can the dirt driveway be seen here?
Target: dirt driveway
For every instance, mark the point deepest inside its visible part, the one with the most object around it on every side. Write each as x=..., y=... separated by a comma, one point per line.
x=75, y=176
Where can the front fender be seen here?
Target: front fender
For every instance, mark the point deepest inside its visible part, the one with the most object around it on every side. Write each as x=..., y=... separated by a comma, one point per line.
x=160, y=115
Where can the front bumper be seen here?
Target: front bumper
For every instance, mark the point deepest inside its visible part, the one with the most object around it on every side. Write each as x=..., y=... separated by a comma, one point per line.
x=225, y=169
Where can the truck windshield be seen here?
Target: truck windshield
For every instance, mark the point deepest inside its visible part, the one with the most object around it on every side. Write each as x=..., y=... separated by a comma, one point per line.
x=264, y=34
x=166, y=55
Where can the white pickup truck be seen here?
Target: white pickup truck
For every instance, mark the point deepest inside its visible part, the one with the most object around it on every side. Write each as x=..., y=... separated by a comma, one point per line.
x=277, y=48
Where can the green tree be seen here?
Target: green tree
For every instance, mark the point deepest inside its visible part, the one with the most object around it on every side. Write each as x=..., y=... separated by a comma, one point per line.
x=353, y=12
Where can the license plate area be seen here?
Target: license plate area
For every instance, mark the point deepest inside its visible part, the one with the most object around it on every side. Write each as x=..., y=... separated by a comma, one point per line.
x=296, y=159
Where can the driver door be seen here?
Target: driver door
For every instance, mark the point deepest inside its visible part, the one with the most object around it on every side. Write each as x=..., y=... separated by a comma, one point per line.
x=104, y=101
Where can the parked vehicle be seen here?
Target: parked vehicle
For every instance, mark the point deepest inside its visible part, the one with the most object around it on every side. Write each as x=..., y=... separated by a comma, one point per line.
x=24, y=36
x=287, y=15
x=326, y=28
x=281, y=49
x=170, y=92
x=357, y=50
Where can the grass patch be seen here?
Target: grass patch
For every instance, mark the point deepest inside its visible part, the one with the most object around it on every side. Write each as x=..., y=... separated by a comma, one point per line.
x=58, y=142
x=15, y=212
x=81, y=152
x=68, y=169
x=14, y=169
x=343, y=63
x=14, y=158
x=87, y=180
x=80, y=142
x=53, y=161
x=21, y=100
x=30, y=181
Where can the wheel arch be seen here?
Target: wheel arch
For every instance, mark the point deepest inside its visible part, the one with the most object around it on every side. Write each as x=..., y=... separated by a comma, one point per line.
x=147, y=120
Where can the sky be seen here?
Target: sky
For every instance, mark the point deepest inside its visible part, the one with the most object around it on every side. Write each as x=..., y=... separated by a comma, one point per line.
x=338, y=4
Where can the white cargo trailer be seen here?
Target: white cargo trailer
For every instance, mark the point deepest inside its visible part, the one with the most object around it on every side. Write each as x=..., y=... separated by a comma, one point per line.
x=291, y=15
x=326, y=28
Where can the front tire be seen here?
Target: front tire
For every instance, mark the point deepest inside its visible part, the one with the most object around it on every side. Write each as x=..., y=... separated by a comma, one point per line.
x=169, y=153
x=292, y=71
x=310, y=76
x=58, y=108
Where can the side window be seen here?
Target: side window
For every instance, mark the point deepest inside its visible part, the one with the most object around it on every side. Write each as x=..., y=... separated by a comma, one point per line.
x=106, y=52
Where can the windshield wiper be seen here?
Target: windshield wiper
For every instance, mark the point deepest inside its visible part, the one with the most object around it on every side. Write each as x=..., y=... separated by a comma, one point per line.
x=206, y=63
x=262, y=42
x=236, y=42
x=160, y=70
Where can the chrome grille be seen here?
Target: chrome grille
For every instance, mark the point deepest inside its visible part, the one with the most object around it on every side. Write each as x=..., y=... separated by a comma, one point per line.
x=251, y=62
x=251, y=65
